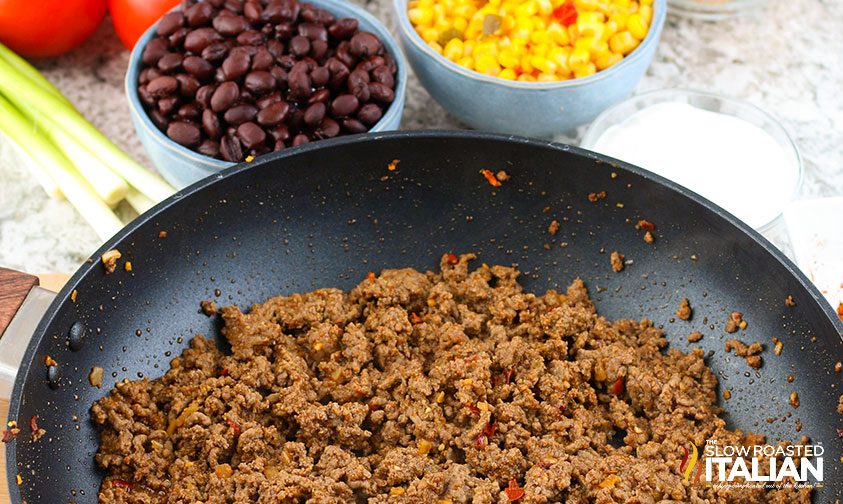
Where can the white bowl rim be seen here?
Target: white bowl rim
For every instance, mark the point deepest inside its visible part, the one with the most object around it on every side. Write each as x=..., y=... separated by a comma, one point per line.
x=406, y=27
x=136, y=107
x=589, y=139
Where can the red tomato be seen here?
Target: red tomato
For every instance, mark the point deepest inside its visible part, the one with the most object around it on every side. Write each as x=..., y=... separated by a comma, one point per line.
x=44, y=28
x=132, y=17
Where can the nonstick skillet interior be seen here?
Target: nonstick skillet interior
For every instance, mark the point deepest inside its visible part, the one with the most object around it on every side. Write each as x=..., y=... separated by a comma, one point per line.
x=326, y=214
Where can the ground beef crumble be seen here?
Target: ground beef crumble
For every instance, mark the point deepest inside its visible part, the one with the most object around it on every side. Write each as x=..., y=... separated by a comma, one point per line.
x=413, y=387
x=616, y=259
x=683, y=311
x=748, y=352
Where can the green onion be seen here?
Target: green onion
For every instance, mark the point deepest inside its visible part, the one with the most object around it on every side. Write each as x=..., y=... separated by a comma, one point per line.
x=28, y=71
x=78, y=192
x=55, y=110
x=138, y=201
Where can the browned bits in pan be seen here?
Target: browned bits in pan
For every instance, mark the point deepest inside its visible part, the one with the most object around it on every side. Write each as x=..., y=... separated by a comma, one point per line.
x=616, y=259
x=840, y=404
x=95, y=377
x=778, y=346
x=734, y=321
x=49, y=361
x=794, y=399
x=393, y=164
x=35, y=431
x=838, y=367
x=788, y=301
x=553, y=228
x=649, y=238
x=162, y=234
x=109, y=260
x=208, y=307
x=257, y=66
x=748, y=352
x=596, y=196
x=502, y=176
x=694, y=337
x=490, y=178
x=683, y=311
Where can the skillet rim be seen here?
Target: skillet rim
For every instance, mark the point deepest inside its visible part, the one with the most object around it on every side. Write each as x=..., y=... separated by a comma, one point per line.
x=163, y=206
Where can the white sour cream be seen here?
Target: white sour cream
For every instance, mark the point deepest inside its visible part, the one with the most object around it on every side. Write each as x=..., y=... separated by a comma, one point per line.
x=728, y=160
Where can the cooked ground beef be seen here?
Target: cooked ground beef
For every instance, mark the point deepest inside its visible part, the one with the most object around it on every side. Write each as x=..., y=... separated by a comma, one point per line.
x=420, y=388
x=683, y=311
x=748, y=352
x=616, y=259
x=695, y=336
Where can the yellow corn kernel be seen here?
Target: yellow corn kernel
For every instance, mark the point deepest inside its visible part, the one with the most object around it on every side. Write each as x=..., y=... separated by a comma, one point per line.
x=540, y=37
x=465, y=11
x=609, y=29
x=543, y=64
x=619, y=20
x=453, y=49
x=430, y=35
x=507, y=58
x=622, y=4
x=589, y=44
x=438, y=12
x=558, y=35
x=578, y=58
x=646, y=13
x=586, y=5
x=435, y=46
x=560, y=55
x=466, y=62
x=526, y=64
x=527, y=9
x=593, y=30
x=588, y=18
x=585, y=70
x=526, y=78
x=606, y=59
x=540, y=49
x=487, y=64
x=572, y=32
x=543, y=77
x=636, y=26
x=622, y=42
x=645, y=2
x=460, y=24
x=468, y=48
x=420, y=16
x=507, y=73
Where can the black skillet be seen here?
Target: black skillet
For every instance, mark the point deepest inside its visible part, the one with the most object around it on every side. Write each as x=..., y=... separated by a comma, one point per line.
x=326, y=214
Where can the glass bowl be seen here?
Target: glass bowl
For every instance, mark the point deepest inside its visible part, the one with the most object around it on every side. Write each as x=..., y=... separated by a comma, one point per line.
x=774, y=228
x=713, y=10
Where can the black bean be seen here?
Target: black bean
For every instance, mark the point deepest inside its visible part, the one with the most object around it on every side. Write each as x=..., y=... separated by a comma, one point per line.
x=280, y=77
x=320, y=76
x=215, y=52
x=188, y=112
x=299, y=84
x=211, y=124
x=313, y=31
x=234, y=5
x=299, y=46
x=328, y=128
x=286, y=61
x=250, y=49
x=230, y=149
x=318, y=49
x=184, y=133
x=251, y=135
x=188, y=85
x=321, y=96
x=159, y=120
x=259, y=82
x=370, y=64
x=285, y=31
x=383, y=75
x=369, y=114
x=275, y=47
x=75, y=336
x=168, y=104
x=381, y=92
x=236, y=64
x=279, y=145
x=200, y=38
x=354, y=126
x=231, y=26
x=344, y=105
x=273, y=114
x=209, y=148
x=390, y=63
x=252, y=9
x=343, y=28
x=280, y=134
x=364, y=44
x=250, y=37
x=239, y=114
x=143, y=77
x=154, y=50
x=314, y=114
x=358, y=85
x=289, y=10
x=308, y=14
x=295, y=120
x=199, y=14
x=224, y=96
x=268, y=100
x=145, y=97
x=178, y=37
x=262, y=60
x=343, y=53
x=171, y=22
x=324, y=17
x=162, y=86
x=199, y=67
x=204, y=94
x=300, y=139
x=339, y=73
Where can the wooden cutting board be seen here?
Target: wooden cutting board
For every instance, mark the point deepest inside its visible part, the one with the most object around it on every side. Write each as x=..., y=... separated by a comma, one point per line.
x=53, y=282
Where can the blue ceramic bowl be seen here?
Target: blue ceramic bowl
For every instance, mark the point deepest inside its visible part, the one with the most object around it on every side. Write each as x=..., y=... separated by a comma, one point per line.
x=182, y=166
x=540, y=109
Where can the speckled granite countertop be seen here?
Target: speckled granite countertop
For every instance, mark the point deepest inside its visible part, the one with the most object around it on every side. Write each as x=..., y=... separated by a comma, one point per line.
x=788, y=59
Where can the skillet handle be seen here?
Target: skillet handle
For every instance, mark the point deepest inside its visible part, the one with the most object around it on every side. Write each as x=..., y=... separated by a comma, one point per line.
x=14, y=287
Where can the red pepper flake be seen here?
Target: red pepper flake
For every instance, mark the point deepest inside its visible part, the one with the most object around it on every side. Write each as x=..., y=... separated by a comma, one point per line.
x=394, y=164
x=480, y=441
x=645, y=225
x=162, y=234
x=33, y=424
x=224, y=372
x=595, y=197
x=472, y=408
x=514, y=491
x=370, y=276
x=490, y=178
x=566, y=13
x=123, y=484
x=839, y=433
x=840, y=311
x=414, y=318
x=619, y=386
x=490, y=428
x=9, y=434
x=234, y=427
x=49, y=361
x=451, y=259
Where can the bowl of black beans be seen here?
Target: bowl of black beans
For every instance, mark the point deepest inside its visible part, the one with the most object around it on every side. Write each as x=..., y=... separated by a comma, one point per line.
x=218, y=82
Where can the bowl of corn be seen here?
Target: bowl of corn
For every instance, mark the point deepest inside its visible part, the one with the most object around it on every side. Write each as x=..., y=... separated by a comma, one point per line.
x=529, y=67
